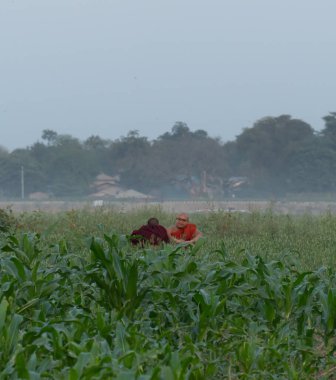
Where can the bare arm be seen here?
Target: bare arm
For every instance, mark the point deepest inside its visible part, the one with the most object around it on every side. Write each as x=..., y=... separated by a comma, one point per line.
x=197, y=235
x=172, y=238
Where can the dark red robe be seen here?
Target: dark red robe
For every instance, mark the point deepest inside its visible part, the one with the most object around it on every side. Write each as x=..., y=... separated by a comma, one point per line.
x=150, y=234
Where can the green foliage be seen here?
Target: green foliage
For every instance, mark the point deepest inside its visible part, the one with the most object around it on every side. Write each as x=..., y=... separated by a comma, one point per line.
x=279, y=156
x=8, y=221
x=329, y=131
x=95, y=307
x=267, y=149
x=116, y=275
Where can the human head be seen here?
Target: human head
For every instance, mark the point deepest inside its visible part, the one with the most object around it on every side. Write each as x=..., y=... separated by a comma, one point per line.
x=153, y=222
x=182, y=220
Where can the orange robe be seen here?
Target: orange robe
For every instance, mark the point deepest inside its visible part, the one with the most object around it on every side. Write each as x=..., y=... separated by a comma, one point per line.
x=186, y=233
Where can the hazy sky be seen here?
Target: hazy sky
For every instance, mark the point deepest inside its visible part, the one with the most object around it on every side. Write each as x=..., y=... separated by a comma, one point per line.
x=105, y=67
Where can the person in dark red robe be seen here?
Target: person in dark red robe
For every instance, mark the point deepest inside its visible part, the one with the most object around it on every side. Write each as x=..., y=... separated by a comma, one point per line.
x=151, y=233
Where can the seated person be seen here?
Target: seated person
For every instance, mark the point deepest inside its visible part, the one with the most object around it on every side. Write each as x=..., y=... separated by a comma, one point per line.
x=183, y=231
x=152, y=233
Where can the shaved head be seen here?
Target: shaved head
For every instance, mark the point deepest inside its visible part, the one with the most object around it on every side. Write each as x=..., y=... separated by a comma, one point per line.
x=183, y=215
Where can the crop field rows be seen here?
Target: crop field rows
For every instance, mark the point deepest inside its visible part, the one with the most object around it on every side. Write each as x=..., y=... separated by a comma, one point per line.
x=254, y=299
x=191, y=206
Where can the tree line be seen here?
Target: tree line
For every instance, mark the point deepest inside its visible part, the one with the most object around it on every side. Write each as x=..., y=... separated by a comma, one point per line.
x=277, y=156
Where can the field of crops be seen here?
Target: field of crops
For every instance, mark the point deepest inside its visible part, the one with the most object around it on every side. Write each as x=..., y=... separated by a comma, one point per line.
x=254, y=299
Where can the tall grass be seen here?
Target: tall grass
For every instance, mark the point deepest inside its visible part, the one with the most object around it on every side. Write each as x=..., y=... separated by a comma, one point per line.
x=309, y=240
x=255, y=299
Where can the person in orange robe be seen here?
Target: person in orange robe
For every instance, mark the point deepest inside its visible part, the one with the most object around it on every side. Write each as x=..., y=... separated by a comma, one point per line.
x=183, y=231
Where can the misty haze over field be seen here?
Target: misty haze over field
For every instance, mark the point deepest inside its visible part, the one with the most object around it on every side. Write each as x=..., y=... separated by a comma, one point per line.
x=107, y=67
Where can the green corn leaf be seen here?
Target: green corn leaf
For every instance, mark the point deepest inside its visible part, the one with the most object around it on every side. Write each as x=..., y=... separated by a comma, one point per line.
x=118, y=268
x=121, y=341
x=3, y=311
x=13, y=331
x=21, y=366
x=29, y=304
x=82, y=361
x=132, y=282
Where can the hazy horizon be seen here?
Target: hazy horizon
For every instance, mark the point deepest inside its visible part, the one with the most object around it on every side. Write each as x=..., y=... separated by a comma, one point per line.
x=104, y=68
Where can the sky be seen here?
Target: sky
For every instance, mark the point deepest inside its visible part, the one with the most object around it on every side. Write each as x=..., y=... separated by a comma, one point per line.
x=105, y=67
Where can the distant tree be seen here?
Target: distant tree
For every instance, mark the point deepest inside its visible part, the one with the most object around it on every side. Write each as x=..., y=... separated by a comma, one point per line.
x=185, y=154
x=10, y=178
x=127, y=157
x=232, y=162
x=71, y=169
x=98, y=151
x=67, y=167
x=313, y=168
x=96, y=143
x=66, y=140
x=178, y=131
x=277, y=154
x=200, y=133
x=49, y=135
x=263, y=150
x=329, y=130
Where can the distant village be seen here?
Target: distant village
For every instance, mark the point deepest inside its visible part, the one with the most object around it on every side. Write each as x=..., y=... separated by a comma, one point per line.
x=107, y=187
